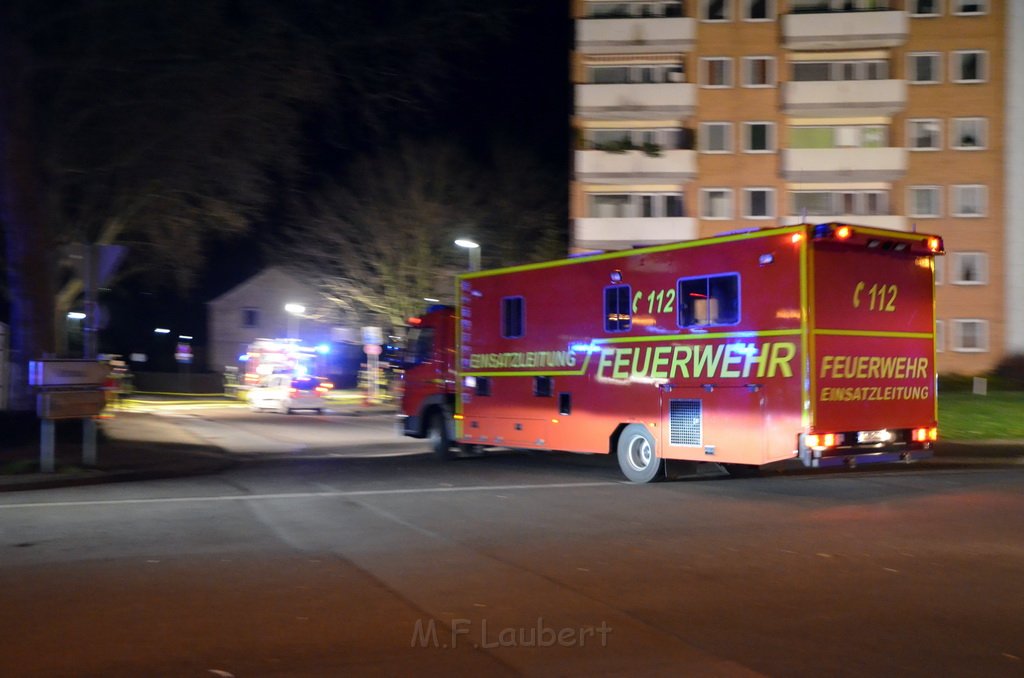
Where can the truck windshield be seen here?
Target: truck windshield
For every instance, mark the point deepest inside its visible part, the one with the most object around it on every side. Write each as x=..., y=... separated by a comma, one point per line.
x=419, y=346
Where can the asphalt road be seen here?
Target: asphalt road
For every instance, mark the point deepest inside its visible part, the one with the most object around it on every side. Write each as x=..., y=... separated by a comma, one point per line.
x=327, y=561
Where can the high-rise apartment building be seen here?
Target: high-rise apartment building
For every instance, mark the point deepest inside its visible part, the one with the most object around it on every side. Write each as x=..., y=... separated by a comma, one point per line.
x=696, y=117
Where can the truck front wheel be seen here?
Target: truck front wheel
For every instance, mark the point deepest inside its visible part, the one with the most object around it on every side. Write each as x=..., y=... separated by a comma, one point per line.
x=439, y=433
x=638, y=454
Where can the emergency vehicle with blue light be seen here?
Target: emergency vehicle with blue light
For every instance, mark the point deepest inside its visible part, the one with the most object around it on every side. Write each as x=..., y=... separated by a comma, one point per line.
x=809, y=344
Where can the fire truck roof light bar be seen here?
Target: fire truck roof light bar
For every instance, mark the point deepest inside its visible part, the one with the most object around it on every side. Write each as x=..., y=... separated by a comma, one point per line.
x=843, y=232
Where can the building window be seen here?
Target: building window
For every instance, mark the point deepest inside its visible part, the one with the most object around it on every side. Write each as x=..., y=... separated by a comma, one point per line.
x=633, y=205
x=970, y=335
x=969, y=7
x=717, y=71
x=758, y=137
x=839, y=203
x=758, y=203
x=616, y=140
x=969, y=66
x=940, y=336
x=618, y=316
x=840, y=136
x=924, y=201
x=923, y=68
x=969, y=200
x=716, y=10
x=709, y=300
x=924, y=134
x=715, y=137
x=636, y=74
x=674, y=205
x=969, y=134
x=921, y=8
x=513, y=317
x=250, y=317
x=940, y=269
x=716, y=203
x=626, y=10
x=825, y=71
x=758, y=10
x=970, y=268
x=758, y=71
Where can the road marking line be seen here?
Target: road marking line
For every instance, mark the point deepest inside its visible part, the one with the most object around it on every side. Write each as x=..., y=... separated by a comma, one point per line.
x=307, y=495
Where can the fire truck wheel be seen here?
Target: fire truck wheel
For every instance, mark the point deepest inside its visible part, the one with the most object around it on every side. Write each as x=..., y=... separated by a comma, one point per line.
x=440, y=435
x=637, y=454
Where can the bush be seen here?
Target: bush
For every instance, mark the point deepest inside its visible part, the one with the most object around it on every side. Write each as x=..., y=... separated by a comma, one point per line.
x=1010, y=372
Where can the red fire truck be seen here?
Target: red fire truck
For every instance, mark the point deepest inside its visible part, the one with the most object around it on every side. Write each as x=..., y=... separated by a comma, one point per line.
x=806, y=343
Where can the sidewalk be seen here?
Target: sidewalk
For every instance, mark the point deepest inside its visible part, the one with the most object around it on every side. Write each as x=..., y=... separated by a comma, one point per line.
x=142, y=446
x=130, y=447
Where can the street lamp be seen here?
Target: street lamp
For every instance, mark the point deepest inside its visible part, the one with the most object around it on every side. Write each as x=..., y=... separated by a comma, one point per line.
x=474, y=252
x=294, y=311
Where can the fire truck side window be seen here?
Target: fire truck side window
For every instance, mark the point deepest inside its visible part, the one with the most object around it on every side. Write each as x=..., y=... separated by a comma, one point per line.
x=711, y=300
x=618, y=315
x=513, y=317
x=420, y=346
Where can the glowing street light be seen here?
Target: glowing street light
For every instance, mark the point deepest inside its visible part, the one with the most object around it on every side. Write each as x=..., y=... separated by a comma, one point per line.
x=76, y=315
x=474, y=252
x=161, y=330
x=295, y=312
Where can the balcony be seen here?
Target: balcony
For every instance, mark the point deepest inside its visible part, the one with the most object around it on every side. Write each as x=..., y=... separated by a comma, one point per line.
x=636, y=36
x=602, y=167
x=844, y=97
x=636, y=101
x=844, y=30
x=843, y=164
x=624, y=233
x=895, y=222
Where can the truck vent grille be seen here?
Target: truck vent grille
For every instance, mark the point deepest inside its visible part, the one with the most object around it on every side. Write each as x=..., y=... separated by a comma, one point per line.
x=685, y=419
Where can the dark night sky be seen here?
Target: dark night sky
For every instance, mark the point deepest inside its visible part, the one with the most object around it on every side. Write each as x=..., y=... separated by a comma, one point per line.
x=516, y=86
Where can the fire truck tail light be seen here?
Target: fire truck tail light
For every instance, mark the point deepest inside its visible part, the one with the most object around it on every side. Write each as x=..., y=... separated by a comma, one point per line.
x=844, y=232
x=824, y=440
x=935, y=244
x=925, y=435
x=797, y=237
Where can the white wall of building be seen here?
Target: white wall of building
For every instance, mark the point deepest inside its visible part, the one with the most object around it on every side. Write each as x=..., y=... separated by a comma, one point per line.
x=255, y=310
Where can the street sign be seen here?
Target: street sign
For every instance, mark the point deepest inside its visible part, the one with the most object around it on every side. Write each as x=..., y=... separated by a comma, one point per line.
x=373, y=335
x=70, y=404
x=66, y=373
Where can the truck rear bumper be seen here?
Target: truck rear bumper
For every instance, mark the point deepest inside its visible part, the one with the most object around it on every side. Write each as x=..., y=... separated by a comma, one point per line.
x=854, y=458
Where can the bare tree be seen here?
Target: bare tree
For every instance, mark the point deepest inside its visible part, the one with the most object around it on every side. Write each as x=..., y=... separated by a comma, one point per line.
x=163, y=124
x=380, y=243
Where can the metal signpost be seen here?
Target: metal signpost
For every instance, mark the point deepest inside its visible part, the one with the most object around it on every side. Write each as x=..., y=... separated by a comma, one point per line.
x=69, y=389
x=373, y=337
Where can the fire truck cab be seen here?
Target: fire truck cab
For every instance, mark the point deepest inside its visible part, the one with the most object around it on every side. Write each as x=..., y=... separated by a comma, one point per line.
x=806, y=344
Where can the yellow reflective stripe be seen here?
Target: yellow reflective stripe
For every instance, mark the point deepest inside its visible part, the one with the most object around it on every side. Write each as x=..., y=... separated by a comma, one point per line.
x=504, y=373
x=695, y=336
x=623, y=254
x=806, y=347
x=875, y=333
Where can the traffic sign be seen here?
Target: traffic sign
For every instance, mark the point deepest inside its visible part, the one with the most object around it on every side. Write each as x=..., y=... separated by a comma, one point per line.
x=70, y=404
x=66, y=373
